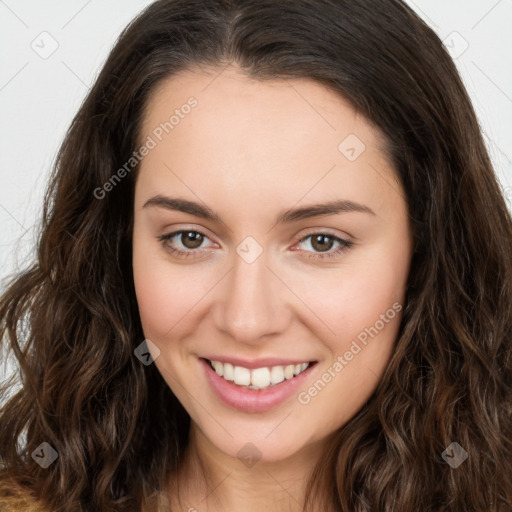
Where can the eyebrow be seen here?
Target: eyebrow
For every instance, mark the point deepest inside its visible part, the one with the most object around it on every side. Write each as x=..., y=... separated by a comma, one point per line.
x=284, y=217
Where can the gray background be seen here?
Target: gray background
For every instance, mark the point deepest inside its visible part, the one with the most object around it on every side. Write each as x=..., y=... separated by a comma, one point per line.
x=53, y=50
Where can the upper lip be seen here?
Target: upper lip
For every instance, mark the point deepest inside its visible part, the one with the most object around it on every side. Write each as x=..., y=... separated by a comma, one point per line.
x=257, y=363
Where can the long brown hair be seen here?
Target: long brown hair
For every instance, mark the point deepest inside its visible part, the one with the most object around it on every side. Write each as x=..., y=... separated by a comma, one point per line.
x=71, y=319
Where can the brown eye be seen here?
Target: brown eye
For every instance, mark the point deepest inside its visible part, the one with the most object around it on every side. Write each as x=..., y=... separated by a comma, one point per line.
x=322, y=242
x=184, y=243
x=191, y=239
x=323, y=246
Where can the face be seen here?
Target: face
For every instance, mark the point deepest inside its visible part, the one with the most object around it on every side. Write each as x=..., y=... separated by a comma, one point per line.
x=271, y=241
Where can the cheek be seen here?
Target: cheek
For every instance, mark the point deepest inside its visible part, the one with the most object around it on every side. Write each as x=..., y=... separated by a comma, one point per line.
x=165, y=293
x=367, y=297
x=353, y=297
x=365, y=329
x=364, y=310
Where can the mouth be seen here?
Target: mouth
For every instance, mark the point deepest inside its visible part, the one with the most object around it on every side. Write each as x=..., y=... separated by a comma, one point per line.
x=258, y=389
x=258, y=378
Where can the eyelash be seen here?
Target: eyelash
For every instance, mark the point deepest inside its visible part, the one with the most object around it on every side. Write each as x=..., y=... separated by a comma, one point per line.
x=344, y=245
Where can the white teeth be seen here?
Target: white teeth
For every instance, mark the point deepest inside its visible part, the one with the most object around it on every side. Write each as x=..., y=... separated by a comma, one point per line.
x=241, y=376
x=276, y=374
x=218, y=367
x=288, y=371
x=258, y=378
x=227, y=371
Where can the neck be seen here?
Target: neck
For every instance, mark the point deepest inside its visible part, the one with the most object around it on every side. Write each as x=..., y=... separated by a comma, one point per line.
x=212, y=481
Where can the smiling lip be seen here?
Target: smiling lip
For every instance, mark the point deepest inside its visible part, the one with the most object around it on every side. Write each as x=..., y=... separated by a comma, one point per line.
x=253, y=400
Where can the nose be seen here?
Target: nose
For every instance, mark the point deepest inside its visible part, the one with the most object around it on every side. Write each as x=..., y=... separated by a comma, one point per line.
x=251, y=302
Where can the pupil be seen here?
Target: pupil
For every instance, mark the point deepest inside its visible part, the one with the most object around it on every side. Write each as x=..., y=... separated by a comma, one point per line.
x=321, y=240
x=193, y=239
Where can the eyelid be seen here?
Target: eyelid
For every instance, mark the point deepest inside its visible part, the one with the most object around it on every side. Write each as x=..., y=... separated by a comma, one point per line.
x=172, y=230
x=171, y=234
x=326, y=231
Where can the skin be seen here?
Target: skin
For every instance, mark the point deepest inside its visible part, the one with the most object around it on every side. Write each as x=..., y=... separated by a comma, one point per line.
x=249, y=150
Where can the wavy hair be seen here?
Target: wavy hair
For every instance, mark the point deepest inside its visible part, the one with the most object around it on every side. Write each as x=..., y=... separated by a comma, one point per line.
x=71, y=318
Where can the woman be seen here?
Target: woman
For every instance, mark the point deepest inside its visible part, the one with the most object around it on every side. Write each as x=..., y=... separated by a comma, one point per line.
x=274, y=272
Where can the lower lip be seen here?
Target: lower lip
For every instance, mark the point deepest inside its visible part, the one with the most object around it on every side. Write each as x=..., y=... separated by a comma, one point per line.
x=253, y=400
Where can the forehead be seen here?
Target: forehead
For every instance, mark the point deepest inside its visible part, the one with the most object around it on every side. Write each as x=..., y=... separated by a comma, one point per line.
x=234, y=98
x=283, y=139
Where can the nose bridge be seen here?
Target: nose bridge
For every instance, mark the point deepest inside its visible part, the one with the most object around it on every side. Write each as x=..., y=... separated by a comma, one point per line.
x=250, y=306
